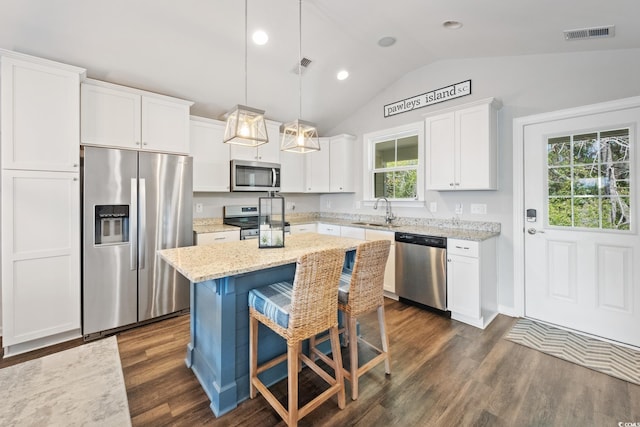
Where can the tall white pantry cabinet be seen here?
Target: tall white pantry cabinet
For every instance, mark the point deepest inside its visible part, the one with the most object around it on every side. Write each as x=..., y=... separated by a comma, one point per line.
x=40, y=216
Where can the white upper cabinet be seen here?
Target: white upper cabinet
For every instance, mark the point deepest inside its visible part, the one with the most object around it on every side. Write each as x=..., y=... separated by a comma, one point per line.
x=341, y=164
x=292, y=172
x=461, y=147
x=122, y=117
x=317, y=177
x=210, y=155
x=46, y=93
x=269, y=152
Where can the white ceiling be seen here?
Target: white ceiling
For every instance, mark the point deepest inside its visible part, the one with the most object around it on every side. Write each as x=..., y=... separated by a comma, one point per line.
x=194, y=49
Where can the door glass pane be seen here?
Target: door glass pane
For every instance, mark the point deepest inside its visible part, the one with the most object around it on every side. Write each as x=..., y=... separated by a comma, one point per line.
x=559, y=182
x=586, y=212
x=615, y=213
x=560, y=212
x=588, y=180
x=585, y=149
x=559, y=151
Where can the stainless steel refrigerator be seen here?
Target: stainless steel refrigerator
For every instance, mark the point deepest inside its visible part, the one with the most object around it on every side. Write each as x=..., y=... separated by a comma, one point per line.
x=134, y=203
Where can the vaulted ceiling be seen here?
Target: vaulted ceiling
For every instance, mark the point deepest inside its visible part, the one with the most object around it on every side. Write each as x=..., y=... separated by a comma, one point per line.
x=195, y=49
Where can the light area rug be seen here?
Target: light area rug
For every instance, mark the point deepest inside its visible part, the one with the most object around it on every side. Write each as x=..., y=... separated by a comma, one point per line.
x=82, y=386
x=614, y=360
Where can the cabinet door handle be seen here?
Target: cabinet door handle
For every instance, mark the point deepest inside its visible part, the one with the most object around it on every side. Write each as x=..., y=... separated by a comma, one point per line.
x=218, y=238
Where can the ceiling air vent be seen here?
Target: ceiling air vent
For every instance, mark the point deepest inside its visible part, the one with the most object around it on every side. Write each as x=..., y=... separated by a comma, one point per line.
x=590, y=33
x=304, y=64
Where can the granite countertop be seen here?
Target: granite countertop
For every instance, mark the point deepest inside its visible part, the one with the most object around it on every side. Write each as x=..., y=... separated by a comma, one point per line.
x=465, y=230
x=202, y=263
x=439, y=231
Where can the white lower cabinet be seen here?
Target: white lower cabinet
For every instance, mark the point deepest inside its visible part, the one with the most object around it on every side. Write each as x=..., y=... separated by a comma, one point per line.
x=472, y=292
x=333, y=230
x=40, y=259
x=390, y=270
x=353, y=232
x=216, y=237
x=304, y=228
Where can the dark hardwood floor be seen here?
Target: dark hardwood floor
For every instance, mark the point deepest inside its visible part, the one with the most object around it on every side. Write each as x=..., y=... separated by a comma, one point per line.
x=444, y=373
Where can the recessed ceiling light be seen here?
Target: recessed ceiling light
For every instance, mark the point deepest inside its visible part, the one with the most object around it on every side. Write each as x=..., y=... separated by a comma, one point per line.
x=387, y=41
x=260, y=37
x=342, y=74
x=452, y=25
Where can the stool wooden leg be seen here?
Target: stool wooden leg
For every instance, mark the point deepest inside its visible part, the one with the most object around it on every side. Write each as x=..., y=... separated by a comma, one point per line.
x=293, y=362
x=353, y=356
x=253, y=354
x=337, y=360
x=385, y=339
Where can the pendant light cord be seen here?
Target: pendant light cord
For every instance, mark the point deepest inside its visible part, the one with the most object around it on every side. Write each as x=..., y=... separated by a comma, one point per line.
x=246, y=30
x=300, y=57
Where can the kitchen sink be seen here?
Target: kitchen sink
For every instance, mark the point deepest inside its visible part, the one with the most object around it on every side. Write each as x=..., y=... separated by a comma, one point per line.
x=376, y=224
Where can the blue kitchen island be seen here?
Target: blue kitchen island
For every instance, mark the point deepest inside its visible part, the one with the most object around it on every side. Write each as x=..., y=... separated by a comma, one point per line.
x=221, y=275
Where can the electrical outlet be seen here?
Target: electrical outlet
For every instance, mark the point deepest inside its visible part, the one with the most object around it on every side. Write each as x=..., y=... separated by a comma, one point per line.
x=433, y=207
x=198, y=207
x=459, y=208
x=479, y=208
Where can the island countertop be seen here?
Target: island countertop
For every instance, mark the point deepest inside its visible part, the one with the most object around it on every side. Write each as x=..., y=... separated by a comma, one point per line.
x=202, y=263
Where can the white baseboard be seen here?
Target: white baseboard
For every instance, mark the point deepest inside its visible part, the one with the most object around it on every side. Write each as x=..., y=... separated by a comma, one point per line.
x=508, y=311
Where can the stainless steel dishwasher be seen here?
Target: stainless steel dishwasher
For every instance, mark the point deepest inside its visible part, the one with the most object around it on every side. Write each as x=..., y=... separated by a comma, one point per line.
x=421, y=269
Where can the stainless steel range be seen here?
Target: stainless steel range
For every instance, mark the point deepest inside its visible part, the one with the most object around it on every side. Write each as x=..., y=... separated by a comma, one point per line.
x=245, y=217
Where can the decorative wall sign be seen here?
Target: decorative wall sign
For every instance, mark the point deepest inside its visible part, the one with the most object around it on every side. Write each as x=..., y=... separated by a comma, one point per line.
x=434, y=97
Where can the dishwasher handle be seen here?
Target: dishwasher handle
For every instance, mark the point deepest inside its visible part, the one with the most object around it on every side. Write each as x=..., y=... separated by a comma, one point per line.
x=421, y=239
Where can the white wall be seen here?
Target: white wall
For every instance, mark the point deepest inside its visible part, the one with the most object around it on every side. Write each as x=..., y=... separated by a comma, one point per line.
x=526, y=85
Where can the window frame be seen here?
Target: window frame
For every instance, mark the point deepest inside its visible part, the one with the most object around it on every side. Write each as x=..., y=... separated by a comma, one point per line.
x=370, y=140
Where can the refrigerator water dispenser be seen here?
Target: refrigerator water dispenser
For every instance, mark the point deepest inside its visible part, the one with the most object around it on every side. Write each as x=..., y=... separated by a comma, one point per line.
x=111, y=224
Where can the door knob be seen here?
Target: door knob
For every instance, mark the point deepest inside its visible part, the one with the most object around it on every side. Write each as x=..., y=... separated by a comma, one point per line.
x=534, y=231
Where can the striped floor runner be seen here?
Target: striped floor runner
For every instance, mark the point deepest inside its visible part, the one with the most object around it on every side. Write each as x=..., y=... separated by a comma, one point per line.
x=617, y=361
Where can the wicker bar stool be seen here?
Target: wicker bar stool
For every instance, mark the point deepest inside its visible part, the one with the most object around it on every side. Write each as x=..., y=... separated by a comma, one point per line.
x=361, y=292
x=296, y=312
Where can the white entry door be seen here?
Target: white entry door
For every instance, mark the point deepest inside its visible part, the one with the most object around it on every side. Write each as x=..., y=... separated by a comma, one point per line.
x=582, y=250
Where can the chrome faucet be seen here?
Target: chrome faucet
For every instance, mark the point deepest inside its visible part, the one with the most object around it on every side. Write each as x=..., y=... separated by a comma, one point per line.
x=389, y=216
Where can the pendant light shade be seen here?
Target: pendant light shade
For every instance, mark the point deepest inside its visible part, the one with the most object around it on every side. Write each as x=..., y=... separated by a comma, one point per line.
x=299, y=136
x=245, y=125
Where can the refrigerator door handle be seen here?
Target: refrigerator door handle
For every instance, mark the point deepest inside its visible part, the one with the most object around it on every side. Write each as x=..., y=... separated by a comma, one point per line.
x=133, y=234
x=143, y=222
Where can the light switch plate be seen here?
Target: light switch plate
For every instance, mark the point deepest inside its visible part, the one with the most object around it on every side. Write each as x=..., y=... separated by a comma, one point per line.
x=459, y=208
x=479, y=208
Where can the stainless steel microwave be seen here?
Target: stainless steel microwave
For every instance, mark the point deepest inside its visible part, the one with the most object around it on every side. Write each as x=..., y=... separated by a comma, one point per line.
x=254, y=176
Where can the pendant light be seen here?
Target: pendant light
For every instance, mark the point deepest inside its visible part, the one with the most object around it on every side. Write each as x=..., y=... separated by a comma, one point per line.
x=299, y=136
x=245, y=125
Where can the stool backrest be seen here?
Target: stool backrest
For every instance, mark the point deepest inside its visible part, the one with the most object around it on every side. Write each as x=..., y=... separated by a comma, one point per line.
x=314, y=299
x=367, y=280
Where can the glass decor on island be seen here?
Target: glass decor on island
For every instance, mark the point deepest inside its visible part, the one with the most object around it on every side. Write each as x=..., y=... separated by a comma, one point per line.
x=271, y=221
